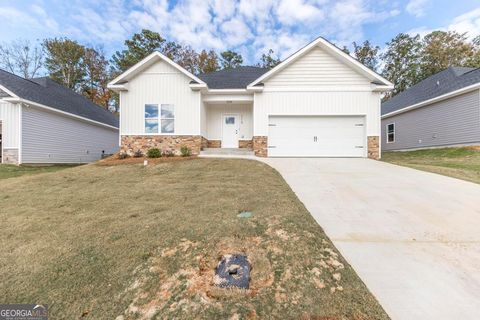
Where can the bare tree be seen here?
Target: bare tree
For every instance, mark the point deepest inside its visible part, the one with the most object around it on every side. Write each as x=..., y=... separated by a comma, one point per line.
x=21, y=57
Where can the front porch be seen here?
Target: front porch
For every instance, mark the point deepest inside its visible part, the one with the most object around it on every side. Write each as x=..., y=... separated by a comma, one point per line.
x=227, y=125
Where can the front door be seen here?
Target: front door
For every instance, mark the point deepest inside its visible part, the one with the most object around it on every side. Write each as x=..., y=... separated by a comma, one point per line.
x=230, y=131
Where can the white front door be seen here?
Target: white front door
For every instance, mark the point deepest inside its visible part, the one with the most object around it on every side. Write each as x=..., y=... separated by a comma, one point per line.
x=230, y=131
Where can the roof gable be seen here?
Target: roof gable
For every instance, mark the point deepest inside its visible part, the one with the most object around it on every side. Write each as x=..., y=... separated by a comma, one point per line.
x=335, y=52
x=146, y=63
x=316, y=68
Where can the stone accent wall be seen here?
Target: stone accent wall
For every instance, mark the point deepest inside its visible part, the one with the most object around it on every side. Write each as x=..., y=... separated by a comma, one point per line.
x=204, y=143
x=10, y=156
x=130, y=144
x=260, y=146
x=214, y=143
x=247, y=144
x=374, y=147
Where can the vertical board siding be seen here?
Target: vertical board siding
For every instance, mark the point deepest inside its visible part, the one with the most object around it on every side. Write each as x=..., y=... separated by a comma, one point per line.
x=48, y=137
x=316, y=68
x=317, y=103
x=160, y=84
x=215, y=114
x=448, y=122
x=9, y=115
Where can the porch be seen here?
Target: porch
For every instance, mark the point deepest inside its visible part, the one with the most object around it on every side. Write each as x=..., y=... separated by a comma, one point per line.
x=227, y=124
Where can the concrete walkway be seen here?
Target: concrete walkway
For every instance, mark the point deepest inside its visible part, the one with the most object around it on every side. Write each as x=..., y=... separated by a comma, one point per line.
x=413, y=237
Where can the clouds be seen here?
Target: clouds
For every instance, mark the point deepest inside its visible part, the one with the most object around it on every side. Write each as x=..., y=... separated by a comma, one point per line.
x=247, y=26
x=417, y=7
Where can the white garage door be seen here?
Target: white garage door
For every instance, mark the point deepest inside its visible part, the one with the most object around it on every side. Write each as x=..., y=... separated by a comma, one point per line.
x=316, y=136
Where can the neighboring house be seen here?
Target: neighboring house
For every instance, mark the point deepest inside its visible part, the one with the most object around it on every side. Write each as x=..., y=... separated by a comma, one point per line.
x=442, y=110
x=42, y=122
x=319, y=102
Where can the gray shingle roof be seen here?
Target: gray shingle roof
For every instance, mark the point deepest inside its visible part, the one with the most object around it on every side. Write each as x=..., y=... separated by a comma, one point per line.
x=448, y=80
x=237, y=78
x=47, y=92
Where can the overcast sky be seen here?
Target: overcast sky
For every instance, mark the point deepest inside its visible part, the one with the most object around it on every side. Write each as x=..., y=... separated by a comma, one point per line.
x=247, y=26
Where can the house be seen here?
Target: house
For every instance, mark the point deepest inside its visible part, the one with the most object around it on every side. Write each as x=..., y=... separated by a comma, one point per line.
x=319, y=102
x=42, y=122
x=442, y=110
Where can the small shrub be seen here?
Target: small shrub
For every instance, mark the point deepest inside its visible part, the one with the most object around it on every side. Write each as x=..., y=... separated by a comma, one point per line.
x=168, y=153
x=138, y=154
x=154, y=153
x=185, y=151
x=122, y=155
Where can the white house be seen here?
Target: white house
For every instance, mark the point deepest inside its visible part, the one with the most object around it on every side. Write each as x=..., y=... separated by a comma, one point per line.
x=42, y=122
x=319, y=102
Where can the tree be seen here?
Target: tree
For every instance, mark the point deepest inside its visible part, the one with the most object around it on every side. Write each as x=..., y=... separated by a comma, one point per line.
x=187, y=58
x=230, y=59
x=138, y=47
x=94, y=85
x=22, y=58
x=402, y=61
x=474, y=61
x=268, y=61
x=64, y=61
x=208, y=61
x=367, y=54
x=443, y=49
x=346, y=50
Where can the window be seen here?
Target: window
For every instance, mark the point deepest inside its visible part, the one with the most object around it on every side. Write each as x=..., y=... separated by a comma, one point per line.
x=390, y=132
x=163, y=122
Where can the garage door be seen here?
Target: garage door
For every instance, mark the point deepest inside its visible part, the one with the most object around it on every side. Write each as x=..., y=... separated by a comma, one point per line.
x=316, y=136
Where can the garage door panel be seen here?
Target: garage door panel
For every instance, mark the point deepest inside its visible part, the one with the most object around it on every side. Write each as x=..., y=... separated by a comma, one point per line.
x=317, y=136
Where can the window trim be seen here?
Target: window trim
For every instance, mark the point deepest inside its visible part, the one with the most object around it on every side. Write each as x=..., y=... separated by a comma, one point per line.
x=387, y=132
x=159, y=119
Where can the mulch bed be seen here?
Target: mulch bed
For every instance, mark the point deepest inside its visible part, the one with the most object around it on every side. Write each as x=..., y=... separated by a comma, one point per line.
x=115, y=161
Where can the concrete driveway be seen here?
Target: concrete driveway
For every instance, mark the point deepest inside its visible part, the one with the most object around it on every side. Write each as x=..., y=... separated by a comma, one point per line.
x=413, y=237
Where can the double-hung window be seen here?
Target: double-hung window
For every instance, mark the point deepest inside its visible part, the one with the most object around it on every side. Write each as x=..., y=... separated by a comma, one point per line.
x=159, y=121
x=391, y=133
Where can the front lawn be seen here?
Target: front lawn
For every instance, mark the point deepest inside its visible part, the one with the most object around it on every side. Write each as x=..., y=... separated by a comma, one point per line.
x=135, y=242
x=11, y=171
x=462, y=163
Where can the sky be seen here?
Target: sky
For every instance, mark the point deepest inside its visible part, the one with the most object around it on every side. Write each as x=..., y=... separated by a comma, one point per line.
x=250, y=27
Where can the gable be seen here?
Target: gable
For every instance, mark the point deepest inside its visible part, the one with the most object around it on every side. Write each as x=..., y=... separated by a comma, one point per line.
x=317, y=68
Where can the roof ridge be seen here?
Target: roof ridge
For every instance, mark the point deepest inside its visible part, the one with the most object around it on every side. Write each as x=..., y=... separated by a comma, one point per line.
x=20, y=77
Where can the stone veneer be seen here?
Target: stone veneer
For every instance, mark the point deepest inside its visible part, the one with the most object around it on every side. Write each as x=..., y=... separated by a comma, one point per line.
x=214, y=143
x=204, y=143
x=130, y=144
x=10, y=156
x=245, y=144
x=260, y=146
x=374, y=147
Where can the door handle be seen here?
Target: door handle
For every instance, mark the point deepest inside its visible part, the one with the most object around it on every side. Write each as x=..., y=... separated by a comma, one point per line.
x=314, y=138
x=236, y=131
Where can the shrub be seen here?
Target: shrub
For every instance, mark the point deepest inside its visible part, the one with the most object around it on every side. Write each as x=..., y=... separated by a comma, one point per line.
x=122, y=155
x=185, y=151
x=168, y=153
x=154, y=153
x=138, y=154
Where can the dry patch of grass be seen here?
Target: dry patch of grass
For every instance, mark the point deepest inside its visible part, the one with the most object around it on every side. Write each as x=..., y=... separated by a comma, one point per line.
x=462, y=163
x=135, y=242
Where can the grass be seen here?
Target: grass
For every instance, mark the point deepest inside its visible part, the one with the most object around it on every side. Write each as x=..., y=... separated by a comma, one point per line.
x=12, y=171
x=99, y=242
x=462, y=163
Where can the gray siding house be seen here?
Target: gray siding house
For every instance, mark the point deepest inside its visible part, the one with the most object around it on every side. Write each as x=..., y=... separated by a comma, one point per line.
x=440, y=111
x=42, y=122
